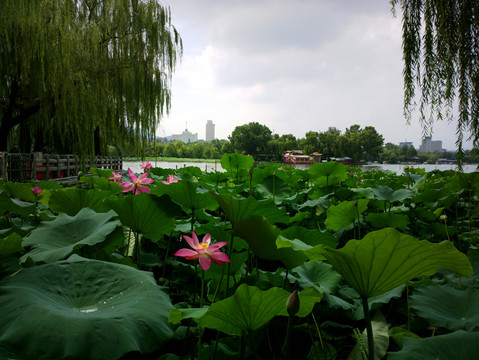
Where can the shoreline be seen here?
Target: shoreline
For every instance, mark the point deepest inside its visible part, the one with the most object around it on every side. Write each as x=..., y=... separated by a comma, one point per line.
x=170, y=159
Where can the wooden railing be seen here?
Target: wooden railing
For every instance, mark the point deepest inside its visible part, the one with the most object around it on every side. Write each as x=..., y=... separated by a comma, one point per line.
x=39, y=166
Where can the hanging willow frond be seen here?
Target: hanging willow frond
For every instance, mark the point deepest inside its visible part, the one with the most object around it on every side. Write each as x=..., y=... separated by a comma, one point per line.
x=94, y=67
x=441, y=58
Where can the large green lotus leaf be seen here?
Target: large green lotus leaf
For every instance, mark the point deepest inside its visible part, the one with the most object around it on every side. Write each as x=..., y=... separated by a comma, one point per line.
x=457, y=345
x=238, y=209
x=236, y=162
x=146, y=214
x=328, y=173
x=15, y=206
x=385, y=259
x=248, y=309
x=383, y=192
x=274, y=188
x=317, y=274
x=447, y=307
x=188, y=194
x=20, y=190
x=382, y=220
x=261, y=236
x=57, y=239
x=71, y=201
x=344, y=214
x=81, y=309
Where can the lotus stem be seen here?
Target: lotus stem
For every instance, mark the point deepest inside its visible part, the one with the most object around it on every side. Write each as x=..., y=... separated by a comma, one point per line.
x=369, y=328
x=202, y=287
x=319, y=332
x=286, y=345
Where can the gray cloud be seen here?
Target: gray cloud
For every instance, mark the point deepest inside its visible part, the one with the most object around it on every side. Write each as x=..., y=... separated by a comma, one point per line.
x=294, y=65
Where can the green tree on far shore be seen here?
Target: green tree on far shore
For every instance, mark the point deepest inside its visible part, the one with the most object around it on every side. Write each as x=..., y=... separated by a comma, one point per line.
x=250, y=138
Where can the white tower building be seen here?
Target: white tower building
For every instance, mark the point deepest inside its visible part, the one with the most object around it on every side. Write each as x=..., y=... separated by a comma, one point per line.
x=210, y=131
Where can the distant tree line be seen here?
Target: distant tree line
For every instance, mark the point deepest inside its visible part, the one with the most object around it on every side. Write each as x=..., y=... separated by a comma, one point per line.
x=360, y=144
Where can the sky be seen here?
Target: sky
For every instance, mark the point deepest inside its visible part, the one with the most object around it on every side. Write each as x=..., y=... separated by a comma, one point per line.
x=292, y=65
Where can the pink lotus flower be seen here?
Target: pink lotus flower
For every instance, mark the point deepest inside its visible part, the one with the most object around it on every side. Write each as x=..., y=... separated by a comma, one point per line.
x=290, y=158
x=171, y=179
x=137, y=184
x=36, y=190
x=116, y=177
x=203, y=251
x=146, y=165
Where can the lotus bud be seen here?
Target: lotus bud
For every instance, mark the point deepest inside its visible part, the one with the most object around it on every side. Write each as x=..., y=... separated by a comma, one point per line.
x=292, y=304
x=36, y=190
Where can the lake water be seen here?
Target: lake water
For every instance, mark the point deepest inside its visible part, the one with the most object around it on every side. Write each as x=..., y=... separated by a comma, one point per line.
x=212, y=166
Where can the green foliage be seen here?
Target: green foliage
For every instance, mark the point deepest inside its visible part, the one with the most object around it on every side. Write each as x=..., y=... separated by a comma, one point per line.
x=250, y=138
x=148, y=215
x=440, y=60
x=447, y=307
x=285, y=230
x=86, y=309
x=261, y=237
x=248, y=309
x=385, y=259
x=79, y=70
x=457, y=345
x=57, y=239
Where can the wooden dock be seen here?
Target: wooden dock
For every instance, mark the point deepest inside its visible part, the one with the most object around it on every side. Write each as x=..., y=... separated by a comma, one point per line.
x=39, y=166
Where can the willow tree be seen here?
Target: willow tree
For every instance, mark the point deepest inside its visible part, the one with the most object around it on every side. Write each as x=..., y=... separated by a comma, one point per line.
x=441, y=58
x=78, y=74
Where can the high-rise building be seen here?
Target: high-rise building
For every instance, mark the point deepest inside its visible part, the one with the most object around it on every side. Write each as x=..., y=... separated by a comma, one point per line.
x=429, y=145
x=210, y=131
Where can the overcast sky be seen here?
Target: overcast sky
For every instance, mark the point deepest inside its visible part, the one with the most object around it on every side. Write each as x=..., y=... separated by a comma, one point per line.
x=292, y=65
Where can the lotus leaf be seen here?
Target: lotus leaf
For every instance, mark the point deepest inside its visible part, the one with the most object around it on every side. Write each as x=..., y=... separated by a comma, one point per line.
x=448, y=307
x=236, y=162
x=146, y=214
x=383, y=192
x=457, y=345
x=261, y=236
x=328, y=173
x=386, y=258
x=344, y=214
x=188, y=194
x=274, y=188
x=55, y=240
x=317, y=274
x=237, y=209
x=81, y=309
x=71, y=201
x=14, y=206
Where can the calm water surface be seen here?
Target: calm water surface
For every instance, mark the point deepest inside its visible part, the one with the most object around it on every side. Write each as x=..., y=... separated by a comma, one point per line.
x=211, y=166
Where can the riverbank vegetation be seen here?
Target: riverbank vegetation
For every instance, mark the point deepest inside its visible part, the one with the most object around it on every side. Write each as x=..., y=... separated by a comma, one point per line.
x=256, y=139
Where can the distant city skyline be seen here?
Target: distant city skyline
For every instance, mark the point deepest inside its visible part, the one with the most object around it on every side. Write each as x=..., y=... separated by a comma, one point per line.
x=428, y=144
